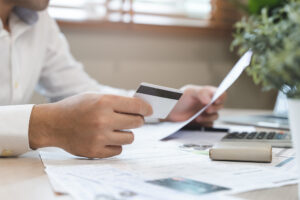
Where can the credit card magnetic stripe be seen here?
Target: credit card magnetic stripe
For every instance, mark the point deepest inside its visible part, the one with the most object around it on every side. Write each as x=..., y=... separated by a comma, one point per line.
x=159, y=92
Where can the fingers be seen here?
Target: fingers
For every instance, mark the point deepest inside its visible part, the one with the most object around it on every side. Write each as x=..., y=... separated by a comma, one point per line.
x=108, y=145
x=107, y=151
x=205, y=94
x=114, y=142
x=207, y=118
x=214, y=108
x=110, y=151
x=126, y=121
x=120, y=138
x=130, y=105
x=207, y=124
x=98, y=151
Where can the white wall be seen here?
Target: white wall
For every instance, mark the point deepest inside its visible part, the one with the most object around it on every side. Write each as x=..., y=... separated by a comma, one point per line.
x=126, y=58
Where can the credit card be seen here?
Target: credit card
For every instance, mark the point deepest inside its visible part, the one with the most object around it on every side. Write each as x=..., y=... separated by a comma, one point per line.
x=162, y=99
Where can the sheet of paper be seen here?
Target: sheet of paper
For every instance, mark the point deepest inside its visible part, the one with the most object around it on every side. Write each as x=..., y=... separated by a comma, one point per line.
x=205, y=137
x=284, y=159
x=162, y=130
x=280, y=161
x=235, y=128
x=115, y=181
x=85, y=189
x=96, y=182
x=196, y=137
x=156, y=160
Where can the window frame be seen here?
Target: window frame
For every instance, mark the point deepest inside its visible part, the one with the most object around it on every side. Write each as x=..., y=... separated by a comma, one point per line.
x=221, y=21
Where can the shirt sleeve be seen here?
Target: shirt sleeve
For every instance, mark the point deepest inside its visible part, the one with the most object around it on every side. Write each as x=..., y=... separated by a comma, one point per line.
x=14, y=123
x=62, y=75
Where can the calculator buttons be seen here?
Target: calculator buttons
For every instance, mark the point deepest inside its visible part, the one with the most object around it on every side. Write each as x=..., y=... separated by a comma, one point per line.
x=261, y=135
x=276, y=139
x=251, y=135
x=232, y=135
x=271, y=135
x=241, y=135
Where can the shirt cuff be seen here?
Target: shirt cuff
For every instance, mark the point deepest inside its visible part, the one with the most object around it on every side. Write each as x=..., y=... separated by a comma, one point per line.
x=14, y=125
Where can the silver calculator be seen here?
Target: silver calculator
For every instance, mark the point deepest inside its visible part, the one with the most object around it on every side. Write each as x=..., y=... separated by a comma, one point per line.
x=276, y=139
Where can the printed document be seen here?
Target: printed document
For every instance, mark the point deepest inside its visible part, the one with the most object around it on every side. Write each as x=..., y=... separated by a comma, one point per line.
x=91, y=182
x=162, y=164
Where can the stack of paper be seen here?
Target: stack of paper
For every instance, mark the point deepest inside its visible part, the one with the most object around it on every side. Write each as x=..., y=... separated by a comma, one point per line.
x=99, y=182
x=170, y=172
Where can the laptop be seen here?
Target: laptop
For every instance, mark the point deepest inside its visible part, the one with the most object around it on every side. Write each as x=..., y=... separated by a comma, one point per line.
x=278, y=119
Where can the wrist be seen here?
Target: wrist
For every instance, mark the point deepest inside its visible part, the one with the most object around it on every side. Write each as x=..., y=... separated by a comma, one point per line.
x=39, y=133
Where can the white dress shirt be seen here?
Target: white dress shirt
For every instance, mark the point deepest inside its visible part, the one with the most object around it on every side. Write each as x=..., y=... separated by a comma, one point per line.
x=35, y=55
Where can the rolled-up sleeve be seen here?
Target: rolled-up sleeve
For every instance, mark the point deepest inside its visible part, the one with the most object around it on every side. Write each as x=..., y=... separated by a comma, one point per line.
x=14, y=125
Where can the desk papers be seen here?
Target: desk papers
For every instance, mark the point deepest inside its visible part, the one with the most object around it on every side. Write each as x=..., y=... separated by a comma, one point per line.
x=164, y=129
x=149, y=160
x=87, y=182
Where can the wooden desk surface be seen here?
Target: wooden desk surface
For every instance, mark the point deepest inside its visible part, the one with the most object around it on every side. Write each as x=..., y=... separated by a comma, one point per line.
x=24, y=178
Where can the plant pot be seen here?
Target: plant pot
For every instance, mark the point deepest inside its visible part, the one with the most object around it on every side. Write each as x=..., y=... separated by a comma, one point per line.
x=294, y=120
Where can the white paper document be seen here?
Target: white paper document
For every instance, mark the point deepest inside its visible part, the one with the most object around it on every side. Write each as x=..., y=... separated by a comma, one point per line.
x=91, y=182
x=162, y=130
x=158, y=162
x=176, y=181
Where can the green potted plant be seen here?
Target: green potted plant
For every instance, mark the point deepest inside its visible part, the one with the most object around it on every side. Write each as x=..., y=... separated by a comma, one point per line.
x=273, y=35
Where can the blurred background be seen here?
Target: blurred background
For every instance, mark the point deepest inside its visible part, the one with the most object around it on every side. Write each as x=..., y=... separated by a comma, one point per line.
x=166, y=42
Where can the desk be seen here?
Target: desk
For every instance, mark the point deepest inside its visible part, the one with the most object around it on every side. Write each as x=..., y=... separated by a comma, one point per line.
x=24, y=178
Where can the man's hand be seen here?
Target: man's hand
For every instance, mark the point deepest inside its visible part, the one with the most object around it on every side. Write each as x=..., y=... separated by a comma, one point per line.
x=193, y=99
x=88, y=125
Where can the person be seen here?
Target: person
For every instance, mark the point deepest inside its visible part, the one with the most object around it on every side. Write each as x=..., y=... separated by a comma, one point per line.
x=84, y=118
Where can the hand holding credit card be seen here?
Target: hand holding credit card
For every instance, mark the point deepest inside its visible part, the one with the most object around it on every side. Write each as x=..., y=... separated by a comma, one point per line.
x=162, y=99
x=164, y=129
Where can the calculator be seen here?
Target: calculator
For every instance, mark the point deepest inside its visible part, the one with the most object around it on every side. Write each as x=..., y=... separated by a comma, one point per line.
x=276, y=139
